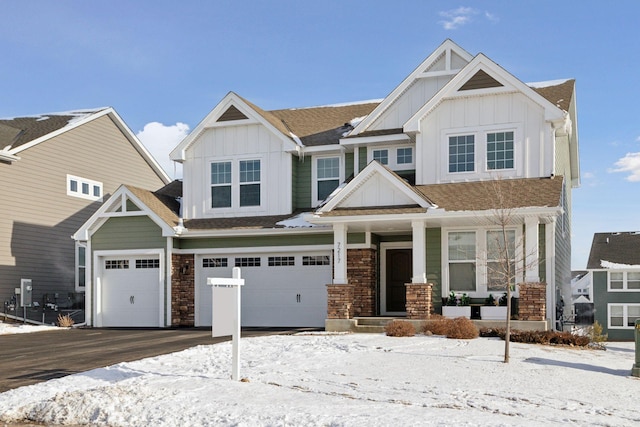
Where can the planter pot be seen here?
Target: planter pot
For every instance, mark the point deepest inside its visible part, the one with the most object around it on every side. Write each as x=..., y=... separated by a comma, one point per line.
x=493, y=312
x=456, y=311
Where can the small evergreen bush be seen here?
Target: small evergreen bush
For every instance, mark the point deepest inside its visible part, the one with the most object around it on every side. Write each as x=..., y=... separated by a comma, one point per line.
x=400, y=328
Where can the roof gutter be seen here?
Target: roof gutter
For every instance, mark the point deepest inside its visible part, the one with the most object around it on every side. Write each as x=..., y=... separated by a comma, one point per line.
x=5, y=156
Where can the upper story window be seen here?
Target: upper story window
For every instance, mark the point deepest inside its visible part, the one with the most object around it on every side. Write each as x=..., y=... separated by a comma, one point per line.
x=235, y=184
x=249, y=182
x=221, y=185
x=396, y=158
x=462, y=153
x=500, y=150
x=620, y=281
x=327, y=176
x=84, y=188
x=381, y=156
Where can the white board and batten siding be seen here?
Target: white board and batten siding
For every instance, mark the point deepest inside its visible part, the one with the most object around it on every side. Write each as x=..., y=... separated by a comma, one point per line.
x=280, y=295
x=234, y=143
x=479, y=115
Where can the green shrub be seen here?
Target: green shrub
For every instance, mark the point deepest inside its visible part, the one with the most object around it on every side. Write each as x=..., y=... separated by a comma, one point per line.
x=400, y=328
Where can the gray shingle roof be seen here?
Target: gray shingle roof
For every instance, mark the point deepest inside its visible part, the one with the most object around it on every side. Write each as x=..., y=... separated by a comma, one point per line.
x=619, y=248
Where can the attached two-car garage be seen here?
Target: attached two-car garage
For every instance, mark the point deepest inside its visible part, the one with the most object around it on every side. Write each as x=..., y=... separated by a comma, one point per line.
x=281, y=289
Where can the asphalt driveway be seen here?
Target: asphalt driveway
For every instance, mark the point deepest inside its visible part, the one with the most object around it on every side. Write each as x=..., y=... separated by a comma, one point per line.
x=32, y=358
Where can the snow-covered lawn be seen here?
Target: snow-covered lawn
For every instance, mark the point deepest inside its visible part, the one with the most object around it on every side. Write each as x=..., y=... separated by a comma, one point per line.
x=18, y=328
x=350, y=380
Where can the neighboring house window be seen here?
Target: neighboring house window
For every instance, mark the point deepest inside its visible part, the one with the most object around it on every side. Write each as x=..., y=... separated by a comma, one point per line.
x=500, y=150
x=462, y=261
x=404, y=156
x=328, y=176
x=381, y=156
x=249, y=182
x=622, y=316
x=462, y=153
x=221, y=185
x=84, y=188
x=498, y=252
x=81, y=266
x=624, y=281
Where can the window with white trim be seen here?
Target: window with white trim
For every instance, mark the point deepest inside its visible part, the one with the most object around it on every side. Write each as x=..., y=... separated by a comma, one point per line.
x=622, y=316
x=249, y=182
x=500, y=150
x=404, y=156
x=221, y=184
x=81, y=266
x=395, y=158
x=462, y=260
x=462, y=156
x=84, y=188
x=621, y=281
x=327, y=176
x=381, y=156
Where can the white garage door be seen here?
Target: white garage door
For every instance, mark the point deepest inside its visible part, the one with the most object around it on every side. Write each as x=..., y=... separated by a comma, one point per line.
x=280, y=289
x=130, y=291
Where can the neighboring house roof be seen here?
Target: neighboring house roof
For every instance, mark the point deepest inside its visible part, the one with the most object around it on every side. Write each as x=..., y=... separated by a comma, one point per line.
x=18, y=134
x=483, y=195
x=615, y=250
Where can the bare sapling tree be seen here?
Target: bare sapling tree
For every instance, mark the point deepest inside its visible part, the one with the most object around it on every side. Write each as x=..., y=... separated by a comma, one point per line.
x=505, y=257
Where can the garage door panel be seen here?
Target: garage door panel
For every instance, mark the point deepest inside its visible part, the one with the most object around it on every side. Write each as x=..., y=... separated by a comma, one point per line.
x=273, y=295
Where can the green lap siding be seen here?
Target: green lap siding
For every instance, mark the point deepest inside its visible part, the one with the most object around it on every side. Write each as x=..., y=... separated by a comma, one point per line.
x=135, y=232
x=601, y=299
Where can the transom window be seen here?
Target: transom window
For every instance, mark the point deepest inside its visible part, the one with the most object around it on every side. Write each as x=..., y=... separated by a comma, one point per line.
x=84, y=188
x=221, y=185
x=381, y=156
x=623, y=316
x=462, y=153
x=328, y=176
x=249, y=182
x=624, y=281
x=462, y=261
x=500, y=150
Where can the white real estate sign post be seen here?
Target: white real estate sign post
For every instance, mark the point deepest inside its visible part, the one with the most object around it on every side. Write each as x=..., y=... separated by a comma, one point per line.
x=226, y=313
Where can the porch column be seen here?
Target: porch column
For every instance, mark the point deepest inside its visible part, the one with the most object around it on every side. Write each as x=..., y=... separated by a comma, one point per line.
x=339, y=254
x=356, y=160
x=531, y=254
x=419, y=237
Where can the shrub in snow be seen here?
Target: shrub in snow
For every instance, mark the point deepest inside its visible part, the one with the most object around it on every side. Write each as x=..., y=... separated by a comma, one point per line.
x=437, y=325
x=540, y=337
x=400, y=328
x=65, y=321
x=459, y=328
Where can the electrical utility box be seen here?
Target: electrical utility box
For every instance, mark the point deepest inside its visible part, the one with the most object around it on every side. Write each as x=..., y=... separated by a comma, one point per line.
x=26, y=292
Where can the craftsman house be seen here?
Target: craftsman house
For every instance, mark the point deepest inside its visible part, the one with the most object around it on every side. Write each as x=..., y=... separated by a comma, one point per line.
x=614, y=266
x=334, y=213
x=56, y=170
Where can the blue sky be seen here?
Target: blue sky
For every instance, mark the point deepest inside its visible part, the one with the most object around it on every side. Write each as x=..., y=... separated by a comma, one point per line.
x=163, y=65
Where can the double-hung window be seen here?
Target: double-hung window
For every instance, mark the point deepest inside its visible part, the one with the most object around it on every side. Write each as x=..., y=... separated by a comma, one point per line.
x=221, y=185
x=501, y=264
x=622, y=316
x=462, y=153
x=500, y=150
x=249, y=182
x=328, y=176
x=624, y=281
x=462, y=260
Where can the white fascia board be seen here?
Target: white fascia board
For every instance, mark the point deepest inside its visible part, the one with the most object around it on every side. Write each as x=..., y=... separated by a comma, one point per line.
x=481, y=62
x=323, y=149
x=447, y=46
x=352, y=219
x=138, y=145
x=380, y=139
x=190, y=233
x=178, y=154
x=373, y=168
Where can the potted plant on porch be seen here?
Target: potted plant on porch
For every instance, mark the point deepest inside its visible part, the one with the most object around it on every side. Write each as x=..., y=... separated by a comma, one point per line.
x=494, y=309
x=457, y=307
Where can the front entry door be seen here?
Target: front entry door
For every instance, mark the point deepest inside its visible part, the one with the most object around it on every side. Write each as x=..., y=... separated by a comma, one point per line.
x=399, y=266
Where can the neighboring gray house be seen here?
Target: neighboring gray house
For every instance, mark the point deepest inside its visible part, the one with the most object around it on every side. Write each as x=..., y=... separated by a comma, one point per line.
x=614, y=264
x=55, y=171
x=331, y=211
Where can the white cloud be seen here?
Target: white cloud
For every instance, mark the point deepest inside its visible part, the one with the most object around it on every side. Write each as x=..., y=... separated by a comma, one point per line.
x=457, y=17
x=160, y=140
x=630, y=163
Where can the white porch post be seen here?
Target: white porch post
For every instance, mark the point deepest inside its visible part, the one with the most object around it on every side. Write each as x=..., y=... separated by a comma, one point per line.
x=531, y=254
x=356, y=160
x=419, y=237
x=339, y=254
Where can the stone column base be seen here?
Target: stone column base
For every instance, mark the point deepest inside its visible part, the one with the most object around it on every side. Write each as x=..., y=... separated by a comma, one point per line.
x=340, y=301
x=419, y=303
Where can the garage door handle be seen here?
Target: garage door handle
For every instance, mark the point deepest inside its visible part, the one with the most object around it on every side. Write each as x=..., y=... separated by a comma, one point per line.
x=132, y=299
x=298, y=299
